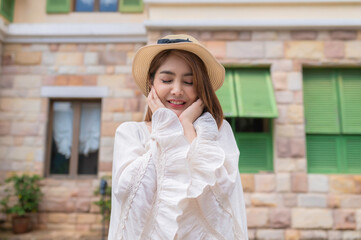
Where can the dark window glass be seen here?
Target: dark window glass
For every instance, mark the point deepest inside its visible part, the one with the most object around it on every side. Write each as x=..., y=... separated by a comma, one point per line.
x=61, y=137
x=249, y=124
x=84, y=6
x=108, y=5
x=89, y=136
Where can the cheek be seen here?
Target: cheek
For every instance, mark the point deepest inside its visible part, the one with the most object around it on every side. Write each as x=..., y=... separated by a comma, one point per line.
x=161, y=90
x=192, y=95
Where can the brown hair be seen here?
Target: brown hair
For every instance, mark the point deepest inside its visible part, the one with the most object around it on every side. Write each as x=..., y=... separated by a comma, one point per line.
x=201, y=82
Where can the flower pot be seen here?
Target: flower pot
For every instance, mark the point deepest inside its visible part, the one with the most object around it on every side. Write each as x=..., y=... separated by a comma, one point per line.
x=21, y=224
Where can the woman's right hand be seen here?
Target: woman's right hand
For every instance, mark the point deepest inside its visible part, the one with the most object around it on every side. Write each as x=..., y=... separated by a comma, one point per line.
x=153, y=100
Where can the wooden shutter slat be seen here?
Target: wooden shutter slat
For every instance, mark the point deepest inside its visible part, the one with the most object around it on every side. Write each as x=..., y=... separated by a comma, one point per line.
x=58, y=6
x=350, y=99
x=7, y=9
x=322, y=153
x=255, y=152
x=130, y=6
x=352, y=149
x=226, y=96
x=320, y=100
x=254, y=93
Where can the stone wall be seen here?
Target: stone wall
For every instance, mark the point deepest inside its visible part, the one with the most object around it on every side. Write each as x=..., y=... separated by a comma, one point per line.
x=26, y=68
x=285, y=204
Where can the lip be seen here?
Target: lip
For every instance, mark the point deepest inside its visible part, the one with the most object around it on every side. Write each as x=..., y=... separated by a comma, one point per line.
x=177, y=106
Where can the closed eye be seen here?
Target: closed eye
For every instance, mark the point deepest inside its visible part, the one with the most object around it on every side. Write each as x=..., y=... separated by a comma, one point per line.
x=189, y=83
x=166, y=81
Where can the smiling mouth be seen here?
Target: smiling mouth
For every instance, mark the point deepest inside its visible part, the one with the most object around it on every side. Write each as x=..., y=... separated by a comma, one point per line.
x=177, y=102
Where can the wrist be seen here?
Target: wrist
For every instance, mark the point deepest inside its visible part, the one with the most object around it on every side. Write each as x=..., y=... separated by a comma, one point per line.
x=185, y=122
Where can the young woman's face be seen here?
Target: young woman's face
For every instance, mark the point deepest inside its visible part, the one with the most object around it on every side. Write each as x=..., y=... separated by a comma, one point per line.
x=173, y=82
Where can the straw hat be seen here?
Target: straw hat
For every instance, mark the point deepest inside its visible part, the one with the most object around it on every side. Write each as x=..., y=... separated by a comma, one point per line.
x=145, y=55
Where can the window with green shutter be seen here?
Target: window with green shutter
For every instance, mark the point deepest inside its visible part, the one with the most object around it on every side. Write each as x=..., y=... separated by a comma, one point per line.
x=254, y=141
x=332, y=99
x=65, y=6
x=130, y=6
x=255, y=95
x=248, y=103
x=227, y=96
x=58, y=6
x=350, y=101
x=320, y=99
x=7, y=9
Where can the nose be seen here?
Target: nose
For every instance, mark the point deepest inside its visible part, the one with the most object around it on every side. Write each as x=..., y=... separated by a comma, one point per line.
x=177, y=89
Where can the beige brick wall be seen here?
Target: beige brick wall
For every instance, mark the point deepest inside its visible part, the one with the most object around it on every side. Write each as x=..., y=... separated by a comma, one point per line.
x=285, y=204
x=67, y=204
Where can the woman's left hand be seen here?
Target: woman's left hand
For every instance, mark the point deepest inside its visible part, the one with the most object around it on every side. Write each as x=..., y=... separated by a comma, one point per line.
x=190, y=114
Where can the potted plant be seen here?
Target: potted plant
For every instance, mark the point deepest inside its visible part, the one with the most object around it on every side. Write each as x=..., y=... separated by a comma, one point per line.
x=21, y=200
x=104, y=203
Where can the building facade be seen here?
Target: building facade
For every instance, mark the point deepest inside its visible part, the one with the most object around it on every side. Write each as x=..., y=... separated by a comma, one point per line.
x=292, y=95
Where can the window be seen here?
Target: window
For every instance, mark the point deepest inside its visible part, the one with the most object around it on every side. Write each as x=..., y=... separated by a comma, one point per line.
x=332, y=99
x=7, y=9
x=248, y=102
x=74, y=134
x=65, y=6
x=254, y=141
x=96, y=5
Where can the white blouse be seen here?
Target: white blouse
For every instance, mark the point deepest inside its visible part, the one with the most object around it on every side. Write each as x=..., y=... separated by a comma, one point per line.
x=163, y=187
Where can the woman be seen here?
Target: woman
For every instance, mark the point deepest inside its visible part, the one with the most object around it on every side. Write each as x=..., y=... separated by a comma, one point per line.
x=175, y=176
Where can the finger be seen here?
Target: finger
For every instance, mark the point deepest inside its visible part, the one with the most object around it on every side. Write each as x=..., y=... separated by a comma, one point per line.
x=199, y=103
x=155, y=94
x=157, y=99
x=151, y=101
x=151, y=93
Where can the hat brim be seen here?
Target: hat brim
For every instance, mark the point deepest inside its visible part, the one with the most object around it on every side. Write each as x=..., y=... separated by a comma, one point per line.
x=145, y=55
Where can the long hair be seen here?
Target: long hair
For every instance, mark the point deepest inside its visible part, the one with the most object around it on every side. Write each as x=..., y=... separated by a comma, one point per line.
x=201, y=81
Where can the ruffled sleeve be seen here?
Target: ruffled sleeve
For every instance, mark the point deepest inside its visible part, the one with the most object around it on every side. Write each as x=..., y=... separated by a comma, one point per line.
x=215, y=184
x=133, y=177
x=169, y=149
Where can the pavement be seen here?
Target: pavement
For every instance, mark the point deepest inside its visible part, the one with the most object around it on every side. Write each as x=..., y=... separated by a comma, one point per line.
x=52, y=235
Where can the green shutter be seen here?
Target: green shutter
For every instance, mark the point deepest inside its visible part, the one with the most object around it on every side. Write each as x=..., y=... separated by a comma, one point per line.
x=58, y=6
x=322, y=154
x=226, y=96
x=255, y=152
x=320, y=101
x=7, y=9
x=130, y=6
x=350, y=99
x=254, y=92
x=352, y=154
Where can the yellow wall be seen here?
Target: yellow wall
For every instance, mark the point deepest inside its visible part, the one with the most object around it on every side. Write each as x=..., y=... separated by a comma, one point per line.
x=256, y=11
x=34, y=11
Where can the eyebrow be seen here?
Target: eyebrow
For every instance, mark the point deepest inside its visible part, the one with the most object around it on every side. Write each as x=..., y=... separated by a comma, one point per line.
x=173, y=74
